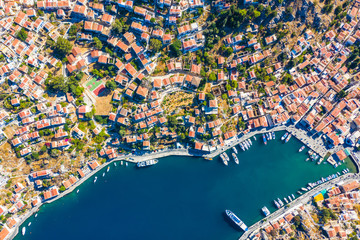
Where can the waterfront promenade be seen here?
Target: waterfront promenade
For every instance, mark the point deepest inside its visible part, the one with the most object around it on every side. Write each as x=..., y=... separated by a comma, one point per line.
x=303, y=199
x=315, y=145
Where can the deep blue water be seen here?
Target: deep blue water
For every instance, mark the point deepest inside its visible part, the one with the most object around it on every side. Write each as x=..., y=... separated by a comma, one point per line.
x=180, y=197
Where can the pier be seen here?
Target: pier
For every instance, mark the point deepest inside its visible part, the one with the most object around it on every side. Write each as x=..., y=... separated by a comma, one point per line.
x=303, y=199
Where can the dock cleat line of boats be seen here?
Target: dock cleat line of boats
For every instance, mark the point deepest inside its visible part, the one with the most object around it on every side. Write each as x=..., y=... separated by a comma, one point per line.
x=245, y=145
x=279, y=203
x=268, y=136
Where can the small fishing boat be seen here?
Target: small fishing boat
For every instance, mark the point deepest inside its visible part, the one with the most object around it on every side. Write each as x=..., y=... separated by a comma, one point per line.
x=108, y=169
x=264, y=139
x=95, y=179
x=103, y=174
x=284, y=136
x=288, y=138
x=23, y=231
x=277, y=204
x=254, y=138
x=121, y=163
x=273, y=135
x=29, y=224
x=302, y=148
x=35, y=215
x=126, y=163
x=77, y=191
x=115, y=164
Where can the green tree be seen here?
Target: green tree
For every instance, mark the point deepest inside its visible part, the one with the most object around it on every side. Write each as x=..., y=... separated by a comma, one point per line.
x=257, y=14
x=56, y=84
x=62, y=188
x=98, y=43
x=341, y=94
x=117, y=27
x=110, y=85
x=22, y=34
x=40, y=13
x=73, y=30
x=62, y=46
x=289, y=10
x=175, y=47
x=155, y=45
x=212, y=77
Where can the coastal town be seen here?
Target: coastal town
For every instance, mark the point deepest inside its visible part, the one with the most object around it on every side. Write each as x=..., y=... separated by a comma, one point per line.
x=87, y=83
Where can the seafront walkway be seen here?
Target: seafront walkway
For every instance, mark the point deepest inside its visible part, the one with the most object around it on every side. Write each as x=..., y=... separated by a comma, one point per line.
x=303, y=199
x=160, y=154
x=237, y=140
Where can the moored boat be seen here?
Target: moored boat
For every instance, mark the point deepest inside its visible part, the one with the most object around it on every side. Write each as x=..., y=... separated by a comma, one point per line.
x=95, y=179
x=288, y=138
x=277, y=204
x=108, y=169
x=302, y=148
x=284, y=136
x=242, y=147
x=235, y=150
x=23, y=230
x=265, y=211
x=226, y=157
x=147, y=163
x=236, y=220
x=222, y=156
x=235, y=158
x=264, y=139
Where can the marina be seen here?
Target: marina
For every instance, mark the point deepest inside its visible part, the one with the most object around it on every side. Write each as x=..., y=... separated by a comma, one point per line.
x=198, y=186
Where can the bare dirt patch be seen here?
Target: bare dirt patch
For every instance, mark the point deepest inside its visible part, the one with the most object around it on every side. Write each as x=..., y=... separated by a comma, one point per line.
x=103, y=105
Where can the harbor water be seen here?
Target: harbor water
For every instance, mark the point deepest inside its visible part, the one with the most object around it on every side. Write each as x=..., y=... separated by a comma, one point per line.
x=180, y=197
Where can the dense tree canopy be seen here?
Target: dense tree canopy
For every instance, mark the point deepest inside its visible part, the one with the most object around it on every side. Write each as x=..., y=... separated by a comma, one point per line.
x=175, y=48
x=22, y=34
x=98, y=43
x=155, y=45
x=62, y=46
x=110, y=85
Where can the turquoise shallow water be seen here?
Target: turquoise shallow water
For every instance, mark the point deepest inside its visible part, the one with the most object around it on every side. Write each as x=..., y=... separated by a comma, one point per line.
x=180, y=197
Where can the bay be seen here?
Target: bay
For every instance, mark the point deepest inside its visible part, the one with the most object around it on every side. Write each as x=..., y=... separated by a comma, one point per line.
x=180, y=197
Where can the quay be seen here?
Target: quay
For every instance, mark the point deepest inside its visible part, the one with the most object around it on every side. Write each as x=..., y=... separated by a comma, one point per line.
x=303, y=199
x=314, y=145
